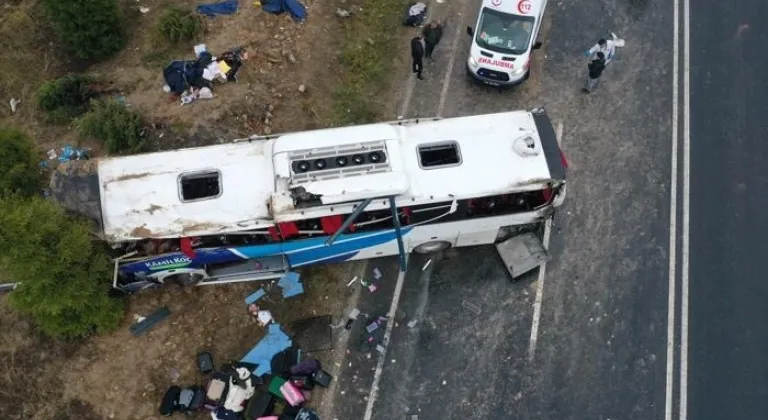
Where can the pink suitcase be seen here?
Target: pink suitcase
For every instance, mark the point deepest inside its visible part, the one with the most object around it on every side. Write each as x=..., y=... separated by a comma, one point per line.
x=292, y=394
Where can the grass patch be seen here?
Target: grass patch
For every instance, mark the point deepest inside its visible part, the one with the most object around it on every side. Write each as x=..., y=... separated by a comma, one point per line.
x=157, y=59
x=371, y=41
x=24, y=37
x=176, y=25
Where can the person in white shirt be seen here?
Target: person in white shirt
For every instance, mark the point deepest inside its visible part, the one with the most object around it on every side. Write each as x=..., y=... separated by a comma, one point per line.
x=605, y=46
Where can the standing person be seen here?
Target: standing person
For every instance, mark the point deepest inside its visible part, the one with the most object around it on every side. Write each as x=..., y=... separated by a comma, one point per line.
x=432, y=34
x=596, y=68
x=417, y=53
x=605, y=46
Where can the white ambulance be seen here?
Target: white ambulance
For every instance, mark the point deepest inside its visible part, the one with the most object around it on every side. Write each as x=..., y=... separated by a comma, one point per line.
x=503, y=40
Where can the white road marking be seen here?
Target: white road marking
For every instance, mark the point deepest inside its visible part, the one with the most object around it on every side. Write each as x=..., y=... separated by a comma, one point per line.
x=374, y=392
x=686, y=211
x=539, y=294
x=448, y=71
x=672, y=222
x=542, y=272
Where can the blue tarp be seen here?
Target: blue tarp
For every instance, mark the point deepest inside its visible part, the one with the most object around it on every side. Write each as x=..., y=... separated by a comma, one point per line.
x=255, y=296
x=291, y=285
x=223, y=8
x=293, y=7
x=273, y=343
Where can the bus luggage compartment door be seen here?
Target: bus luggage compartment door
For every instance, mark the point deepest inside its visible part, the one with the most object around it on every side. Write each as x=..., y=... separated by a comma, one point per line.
x=522, y=253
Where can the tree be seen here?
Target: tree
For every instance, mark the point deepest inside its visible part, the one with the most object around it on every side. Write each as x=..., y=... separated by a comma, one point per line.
x=91, y=29
x=66, y=97
x=119, y=129
x=63, y=277
x=18, y=160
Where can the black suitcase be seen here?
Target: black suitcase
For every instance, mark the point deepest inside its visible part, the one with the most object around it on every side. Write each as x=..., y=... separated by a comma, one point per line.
x=322, y=378
x=205, y=363
x=170, y=402
x=260, y=406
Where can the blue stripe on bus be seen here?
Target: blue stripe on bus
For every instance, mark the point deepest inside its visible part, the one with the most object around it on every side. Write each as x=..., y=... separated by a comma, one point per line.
x=299, y=252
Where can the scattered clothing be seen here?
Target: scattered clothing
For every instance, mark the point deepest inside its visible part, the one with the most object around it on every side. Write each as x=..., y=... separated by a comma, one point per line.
x=264, y=317
x=227, y=7
x=596, y=68
x=432, y=34
x=417, y=54
x=416, y=14
x=296, y=9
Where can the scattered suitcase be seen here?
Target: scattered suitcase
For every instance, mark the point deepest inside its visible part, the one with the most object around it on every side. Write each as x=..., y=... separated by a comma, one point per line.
x=259, y=406
x=274, y=386
x=282, y=362
x=170, y=401
x=215, y=390
x=205, y=363
x=306, y=367
x=292, y=394
x=322, y=378
x=302, y=382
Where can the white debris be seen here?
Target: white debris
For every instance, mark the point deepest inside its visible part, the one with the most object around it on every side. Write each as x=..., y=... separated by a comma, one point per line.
x=144, y=9
x=14, y=103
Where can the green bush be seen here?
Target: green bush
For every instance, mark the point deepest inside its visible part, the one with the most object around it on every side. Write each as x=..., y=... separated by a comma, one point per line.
x=18, y=160
x=66, y=97
x=176, y=25
x=116, y=127
x=90, y=29
x=63, y=278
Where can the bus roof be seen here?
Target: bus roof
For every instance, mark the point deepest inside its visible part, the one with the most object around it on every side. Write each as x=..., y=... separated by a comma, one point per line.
x=251, y=184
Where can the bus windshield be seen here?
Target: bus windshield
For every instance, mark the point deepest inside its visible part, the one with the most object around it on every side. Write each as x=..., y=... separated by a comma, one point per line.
x=504, y=33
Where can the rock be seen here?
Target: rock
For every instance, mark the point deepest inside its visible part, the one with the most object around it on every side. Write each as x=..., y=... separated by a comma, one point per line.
x=343, y=13
x=369, y=41
x=302, y=88
x=266, y=121
x=267, y=131
x=291, y=58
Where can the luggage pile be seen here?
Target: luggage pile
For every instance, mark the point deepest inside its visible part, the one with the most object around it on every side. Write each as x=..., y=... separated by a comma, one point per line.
x=235, y=393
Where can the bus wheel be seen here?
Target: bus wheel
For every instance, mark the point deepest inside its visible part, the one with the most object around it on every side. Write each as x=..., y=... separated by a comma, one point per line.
x=432, y=247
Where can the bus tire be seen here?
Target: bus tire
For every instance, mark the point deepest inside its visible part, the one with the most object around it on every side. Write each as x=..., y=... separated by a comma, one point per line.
x=432, y=247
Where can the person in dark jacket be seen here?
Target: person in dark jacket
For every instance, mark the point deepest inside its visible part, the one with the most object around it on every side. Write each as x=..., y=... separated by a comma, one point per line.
x=417, y=53
x=596, y=68
x=432, y=34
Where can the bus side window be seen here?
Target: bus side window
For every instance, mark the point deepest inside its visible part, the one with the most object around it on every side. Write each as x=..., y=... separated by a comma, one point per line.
x=374, y=220
x=432, y=213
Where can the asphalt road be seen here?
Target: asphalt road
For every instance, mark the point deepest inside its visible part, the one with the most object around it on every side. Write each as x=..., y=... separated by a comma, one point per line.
x=601, y=347
x=728, y=343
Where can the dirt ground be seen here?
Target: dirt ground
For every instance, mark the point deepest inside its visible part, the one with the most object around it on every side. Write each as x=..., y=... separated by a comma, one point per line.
x=283, y=55
x=119, y=376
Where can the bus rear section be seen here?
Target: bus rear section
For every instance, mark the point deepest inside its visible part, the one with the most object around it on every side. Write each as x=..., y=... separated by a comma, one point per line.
x=253, y=209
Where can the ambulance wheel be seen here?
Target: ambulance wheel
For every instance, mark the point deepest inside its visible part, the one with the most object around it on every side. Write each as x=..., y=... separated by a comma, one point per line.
x=432, y=247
